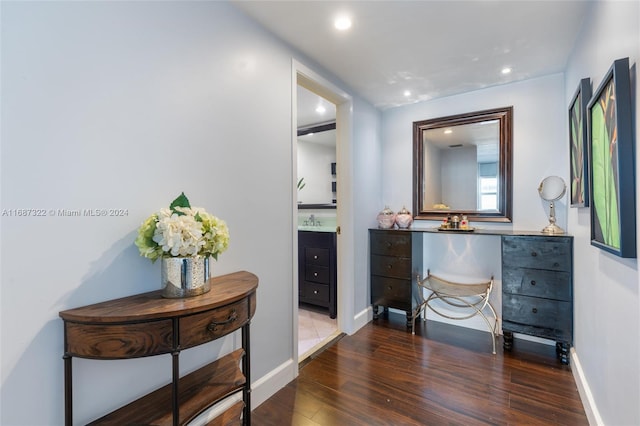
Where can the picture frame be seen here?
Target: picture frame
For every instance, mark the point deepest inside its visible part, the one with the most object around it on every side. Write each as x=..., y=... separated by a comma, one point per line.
x=611, y=168
x=578, y=145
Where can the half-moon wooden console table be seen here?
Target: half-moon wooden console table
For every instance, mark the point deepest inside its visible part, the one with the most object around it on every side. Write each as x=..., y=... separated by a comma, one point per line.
x=147, y=325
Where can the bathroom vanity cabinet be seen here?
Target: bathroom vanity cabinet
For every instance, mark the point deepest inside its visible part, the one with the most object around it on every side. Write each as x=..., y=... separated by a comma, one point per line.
x=317, y=275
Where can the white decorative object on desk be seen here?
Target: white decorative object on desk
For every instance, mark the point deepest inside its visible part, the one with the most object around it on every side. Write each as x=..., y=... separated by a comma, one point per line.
x=404, y=218
x=386, y=218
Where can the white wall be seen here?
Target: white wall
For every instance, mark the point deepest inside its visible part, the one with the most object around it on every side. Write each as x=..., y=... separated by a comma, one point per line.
x=538, y=151
x=125, y=105
x=314, y=165
x=367, y=184
x=538, y=145
x=538, y=129
x=459, y=170
x=432, y=176
x=606, y=300
x=607, y=304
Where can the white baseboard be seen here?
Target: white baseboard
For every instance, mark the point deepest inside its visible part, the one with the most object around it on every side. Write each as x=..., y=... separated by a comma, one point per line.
x=261, y=390
x=362, y=318
x=590, y=408
x=267, y=385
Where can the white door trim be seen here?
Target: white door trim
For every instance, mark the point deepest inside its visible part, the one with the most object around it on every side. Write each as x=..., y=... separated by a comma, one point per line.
x=309, y=79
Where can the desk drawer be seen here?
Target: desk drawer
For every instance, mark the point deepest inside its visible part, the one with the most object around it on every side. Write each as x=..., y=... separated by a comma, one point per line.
x=119, y=341
x=200, y=328
x=391, y=292
x=551, y=253
x=317, y=256
x=533, y=311
x=537, y=283
x=387, y=266
x=389, y=243
x=318, y=274
x=315, y=293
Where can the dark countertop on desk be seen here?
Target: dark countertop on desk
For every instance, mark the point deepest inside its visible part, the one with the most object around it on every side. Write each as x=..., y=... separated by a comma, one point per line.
x=476, y=231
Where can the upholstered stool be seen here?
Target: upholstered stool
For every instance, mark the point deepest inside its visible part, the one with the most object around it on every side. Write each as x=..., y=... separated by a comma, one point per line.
x=466, y=299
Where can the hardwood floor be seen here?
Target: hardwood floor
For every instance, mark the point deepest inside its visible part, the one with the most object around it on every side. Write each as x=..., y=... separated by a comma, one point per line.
x=446, y=375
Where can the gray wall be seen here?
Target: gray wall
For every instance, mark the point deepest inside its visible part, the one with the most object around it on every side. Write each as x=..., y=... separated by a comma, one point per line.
x=538, y=128
x=607, y=304
x=124, y=105
x=606, y=362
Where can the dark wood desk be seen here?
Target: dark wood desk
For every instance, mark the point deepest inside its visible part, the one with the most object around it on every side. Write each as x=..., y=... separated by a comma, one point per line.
x=537, y=279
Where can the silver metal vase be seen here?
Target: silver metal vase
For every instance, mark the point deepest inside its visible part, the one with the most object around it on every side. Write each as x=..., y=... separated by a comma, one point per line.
x=185, y=276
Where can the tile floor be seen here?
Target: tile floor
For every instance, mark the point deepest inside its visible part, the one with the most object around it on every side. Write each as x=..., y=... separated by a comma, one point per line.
x=315, y=328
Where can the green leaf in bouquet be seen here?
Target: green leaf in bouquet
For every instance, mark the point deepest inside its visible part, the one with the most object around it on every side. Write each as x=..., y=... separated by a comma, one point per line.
x=181, y=201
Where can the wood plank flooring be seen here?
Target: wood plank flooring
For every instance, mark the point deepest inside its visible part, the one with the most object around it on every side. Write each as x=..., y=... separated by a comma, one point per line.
x=443, y=375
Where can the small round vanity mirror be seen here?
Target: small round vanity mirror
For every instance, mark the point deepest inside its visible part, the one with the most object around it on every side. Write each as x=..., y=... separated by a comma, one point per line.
x=552, y=188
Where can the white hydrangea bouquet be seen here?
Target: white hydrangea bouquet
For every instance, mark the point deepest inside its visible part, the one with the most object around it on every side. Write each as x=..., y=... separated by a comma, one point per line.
x=182, y=231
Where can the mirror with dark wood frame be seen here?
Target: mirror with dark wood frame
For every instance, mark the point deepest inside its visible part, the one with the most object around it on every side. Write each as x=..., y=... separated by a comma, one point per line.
x=462, y=165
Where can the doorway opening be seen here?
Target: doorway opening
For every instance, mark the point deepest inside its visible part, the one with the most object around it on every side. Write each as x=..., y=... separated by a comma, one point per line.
x=344, y=235
x=317, y=208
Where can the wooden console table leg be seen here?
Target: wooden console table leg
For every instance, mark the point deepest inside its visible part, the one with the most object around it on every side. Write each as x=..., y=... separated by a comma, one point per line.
x=246, y=370
x=409, y=318
x=375, y=312
x=68, y=391
x=175, y=359
x=507, y=343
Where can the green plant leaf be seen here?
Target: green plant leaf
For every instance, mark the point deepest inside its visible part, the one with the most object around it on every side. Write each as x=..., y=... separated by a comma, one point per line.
x=577, y=154
x=605, y=198
x=181, y=201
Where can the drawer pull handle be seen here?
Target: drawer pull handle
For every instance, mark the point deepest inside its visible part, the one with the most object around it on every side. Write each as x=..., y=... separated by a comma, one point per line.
x=533, y=282
x=389, y=244
x=213, y=326
x=555, y=265
x=534, y=254
x=315, y=291
x=315, y=274
x=534, y=310
x=389, y=266
x=390, y=287
x=315, y=257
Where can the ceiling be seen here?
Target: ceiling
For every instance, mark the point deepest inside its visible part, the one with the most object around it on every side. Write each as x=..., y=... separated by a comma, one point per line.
x=429, y=48
x=313, y=109
x=483, y=136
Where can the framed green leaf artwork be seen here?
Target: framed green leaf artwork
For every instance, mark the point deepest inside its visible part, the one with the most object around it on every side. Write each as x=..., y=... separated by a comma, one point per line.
x=612, y=189
x=578, y=144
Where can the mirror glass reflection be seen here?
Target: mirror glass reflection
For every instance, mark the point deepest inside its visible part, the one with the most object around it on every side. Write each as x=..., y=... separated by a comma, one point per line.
x=461, y=167
x=462, y=164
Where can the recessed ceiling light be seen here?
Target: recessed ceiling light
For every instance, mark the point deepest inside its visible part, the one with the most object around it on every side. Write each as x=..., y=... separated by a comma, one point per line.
x=407, y=93
x=342, y=23
x=448, y=131
x=321, y=109
x=506, y=70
